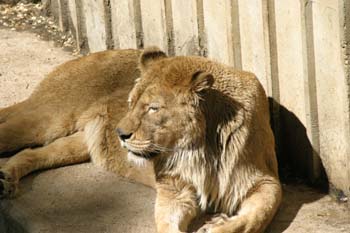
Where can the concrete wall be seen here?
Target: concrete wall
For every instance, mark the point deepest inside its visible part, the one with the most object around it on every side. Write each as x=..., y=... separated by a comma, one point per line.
x=299, y=50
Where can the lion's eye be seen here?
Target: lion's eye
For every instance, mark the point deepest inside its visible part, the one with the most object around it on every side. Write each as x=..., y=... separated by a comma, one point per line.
x=153, y=108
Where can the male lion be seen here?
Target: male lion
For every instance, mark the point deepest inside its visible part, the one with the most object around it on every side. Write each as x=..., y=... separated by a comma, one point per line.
x=200, y=127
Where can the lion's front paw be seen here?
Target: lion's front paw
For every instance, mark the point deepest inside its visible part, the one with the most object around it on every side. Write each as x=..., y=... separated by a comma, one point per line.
x=223, y=223
x=8, y=187
x=206, y=228
x=216, y=221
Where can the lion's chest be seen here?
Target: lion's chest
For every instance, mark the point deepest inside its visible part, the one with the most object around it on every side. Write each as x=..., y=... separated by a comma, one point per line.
x=215, y=184
x=194, y=168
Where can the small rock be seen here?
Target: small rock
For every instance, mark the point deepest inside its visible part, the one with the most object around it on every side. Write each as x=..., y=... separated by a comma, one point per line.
x=343, y=199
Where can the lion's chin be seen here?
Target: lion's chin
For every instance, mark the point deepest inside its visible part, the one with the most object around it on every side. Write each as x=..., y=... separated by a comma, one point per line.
x=139, y=159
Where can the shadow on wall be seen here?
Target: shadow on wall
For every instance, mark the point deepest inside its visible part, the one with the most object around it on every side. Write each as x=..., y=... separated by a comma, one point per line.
x=14, y=2
x=294, y=149
x=295, y=159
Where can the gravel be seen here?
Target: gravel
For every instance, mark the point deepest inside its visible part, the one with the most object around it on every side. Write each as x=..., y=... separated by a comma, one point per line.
x=27, y=16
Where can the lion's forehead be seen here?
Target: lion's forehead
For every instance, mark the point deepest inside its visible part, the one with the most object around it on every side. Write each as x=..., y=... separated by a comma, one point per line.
x=167, y=79
x=151, y=93
x=171, y=71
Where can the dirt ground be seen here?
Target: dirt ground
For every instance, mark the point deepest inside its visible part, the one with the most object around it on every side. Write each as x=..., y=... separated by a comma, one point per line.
x=83, y=198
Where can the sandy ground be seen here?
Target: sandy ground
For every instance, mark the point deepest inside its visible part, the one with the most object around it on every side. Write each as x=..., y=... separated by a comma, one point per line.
x=83, y=198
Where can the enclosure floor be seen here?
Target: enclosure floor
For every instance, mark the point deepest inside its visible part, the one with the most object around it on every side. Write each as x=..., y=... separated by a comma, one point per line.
x=83, y=198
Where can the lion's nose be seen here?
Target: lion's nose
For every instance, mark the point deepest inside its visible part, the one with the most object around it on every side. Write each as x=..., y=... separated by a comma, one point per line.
x=122, y=134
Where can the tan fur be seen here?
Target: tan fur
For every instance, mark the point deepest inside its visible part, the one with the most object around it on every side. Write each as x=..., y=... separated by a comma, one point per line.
x=200, y=128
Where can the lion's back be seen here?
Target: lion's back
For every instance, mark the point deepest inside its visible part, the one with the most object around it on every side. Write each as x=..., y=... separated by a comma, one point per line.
x=92, y=76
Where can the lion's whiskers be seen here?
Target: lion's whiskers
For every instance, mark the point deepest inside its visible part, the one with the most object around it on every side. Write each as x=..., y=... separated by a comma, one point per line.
x=160, y=148
x=145, y=147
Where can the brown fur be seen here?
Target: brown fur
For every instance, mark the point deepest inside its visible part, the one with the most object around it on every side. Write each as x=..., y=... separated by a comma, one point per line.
x=206, y=128
x=200, y=127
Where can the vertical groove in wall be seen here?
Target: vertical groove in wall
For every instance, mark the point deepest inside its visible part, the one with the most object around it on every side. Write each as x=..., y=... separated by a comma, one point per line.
x=230, y=33
x=202, y=37
x=345, y=28
x=114, y=30
x=63, y=19
x=265, y=13
x=273, y=50
x=345, y=42
x=59, y=16
x=275, y=92
x=108, y=23
x=311, y=89
x=236, y=35
x=54, y=9
x=65, y=14
x=347, y=67
x=72, y=29
x=83, y=42
x=169, y=27
x=138, y=23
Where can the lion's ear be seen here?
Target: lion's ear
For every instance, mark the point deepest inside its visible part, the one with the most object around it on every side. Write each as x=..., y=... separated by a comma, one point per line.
x=150, y=55
x=201, y=81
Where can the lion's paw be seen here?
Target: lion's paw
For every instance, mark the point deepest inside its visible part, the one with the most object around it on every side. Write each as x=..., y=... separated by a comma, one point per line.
x=215, y=223
x=8, y=187
x=206, y=228
x=223, y=223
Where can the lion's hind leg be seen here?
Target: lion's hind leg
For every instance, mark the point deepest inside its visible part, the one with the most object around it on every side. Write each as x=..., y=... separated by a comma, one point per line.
x=63, y=151
x=21, y=127
x=29, y=124
x=254, y=214
x=18, y=134
x=26, y=127
x=8, y=111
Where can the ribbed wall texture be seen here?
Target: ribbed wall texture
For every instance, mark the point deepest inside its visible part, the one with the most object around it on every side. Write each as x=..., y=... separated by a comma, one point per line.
x=297, y=48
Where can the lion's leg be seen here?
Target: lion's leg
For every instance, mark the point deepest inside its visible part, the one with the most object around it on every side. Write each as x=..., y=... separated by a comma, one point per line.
x=23, y=129
x=63, y=151
x=176, y=206
x=8, y=135
x=29, y=124
x=10, y=110
x=30, y=128
x=254, y=214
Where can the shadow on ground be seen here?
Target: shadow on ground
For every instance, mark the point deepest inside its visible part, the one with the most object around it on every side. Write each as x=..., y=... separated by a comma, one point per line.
x=9, y=224
x=80, y=198
x=294, y=197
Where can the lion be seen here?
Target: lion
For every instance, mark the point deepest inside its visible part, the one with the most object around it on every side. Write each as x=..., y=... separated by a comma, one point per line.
x=194, y=129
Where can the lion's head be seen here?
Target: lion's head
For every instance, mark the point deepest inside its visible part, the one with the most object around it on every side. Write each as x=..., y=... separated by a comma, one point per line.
x=164, y=107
